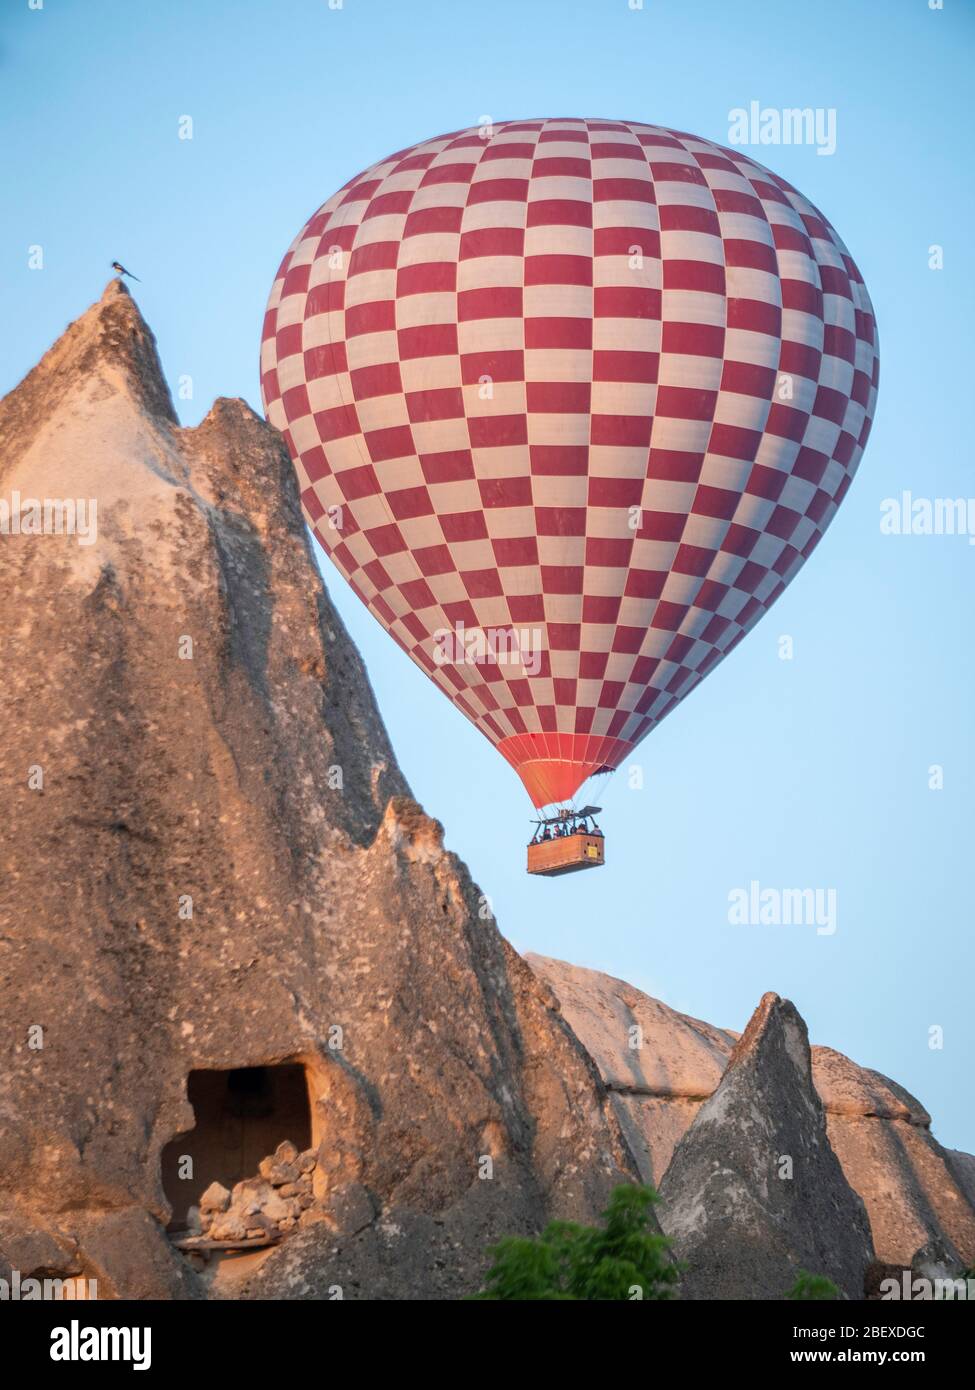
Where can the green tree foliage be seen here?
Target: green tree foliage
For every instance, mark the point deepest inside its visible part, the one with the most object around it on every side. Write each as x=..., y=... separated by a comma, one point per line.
x=622, y=1259
x=812, y=1287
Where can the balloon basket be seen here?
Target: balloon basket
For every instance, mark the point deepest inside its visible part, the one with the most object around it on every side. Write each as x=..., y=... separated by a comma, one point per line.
x=567, y=854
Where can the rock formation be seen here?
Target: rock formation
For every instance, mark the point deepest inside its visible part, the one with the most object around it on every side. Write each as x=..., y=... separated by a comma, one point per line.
x=213, y=875
x=660, y=1066
x=754, y=1193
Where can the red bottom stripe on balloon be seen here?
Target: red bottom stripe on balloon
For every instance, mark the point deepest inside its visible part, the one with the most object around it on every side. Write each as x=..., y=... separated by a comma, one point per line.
x=554, y=766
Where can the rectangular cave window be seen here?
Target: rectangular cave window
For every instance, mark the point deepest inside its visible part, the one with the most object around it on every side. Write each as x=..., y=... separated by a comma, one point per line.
x=241, y=1116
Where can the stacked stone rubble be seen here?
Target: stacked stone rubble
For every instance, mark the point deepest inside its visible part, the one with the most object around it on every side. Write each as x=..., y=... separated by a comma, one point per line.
x=265, y=1207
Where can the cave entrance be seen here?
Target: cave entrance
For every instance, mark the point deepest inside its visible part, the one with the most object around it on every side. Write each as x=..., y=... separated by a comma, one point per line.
x=240, y=1116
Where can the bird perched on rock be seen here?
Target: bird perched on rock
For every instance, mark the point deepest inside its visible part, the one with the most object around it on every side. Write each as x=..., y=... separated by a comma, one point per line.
x=121, y=270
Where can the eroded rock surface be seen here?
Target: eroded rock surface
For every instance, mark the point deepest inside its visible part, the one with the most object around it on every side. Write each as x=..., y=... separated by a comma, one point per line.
x=211, y=861
x=660, y=1065
x=754, y=1193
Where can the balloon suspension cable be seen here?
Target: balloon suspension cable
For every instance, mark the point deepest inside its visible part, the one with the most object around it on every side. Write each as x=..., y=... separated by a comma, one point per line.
x=604, y=786
x=552, y=809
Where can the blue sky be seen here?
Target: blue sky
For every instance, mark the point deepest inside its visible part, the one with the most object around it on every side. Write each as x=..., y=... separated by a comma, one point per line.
x=804, y=773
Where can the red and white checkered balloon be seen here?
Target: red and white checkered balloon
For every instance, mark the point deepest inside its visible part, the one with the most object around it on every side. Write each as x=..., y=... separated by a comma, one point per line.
x=570, y=403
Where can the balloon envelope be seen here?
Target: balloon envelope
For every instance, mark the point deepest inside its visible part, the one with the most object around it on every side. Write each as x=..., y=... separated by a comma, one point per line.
x=570, y=403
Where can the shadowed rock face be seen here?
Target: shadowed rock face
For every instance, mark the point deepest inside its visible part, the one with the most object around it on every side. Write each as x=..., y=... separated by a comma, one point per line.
x=660, y=1065
x=963, y=1167
x=210, y=860
x=754, y=1192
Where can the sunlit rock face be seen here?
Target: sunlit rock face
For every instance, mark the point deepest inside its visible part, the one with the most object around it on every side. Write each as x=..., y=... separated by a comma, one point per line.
x=211, y=863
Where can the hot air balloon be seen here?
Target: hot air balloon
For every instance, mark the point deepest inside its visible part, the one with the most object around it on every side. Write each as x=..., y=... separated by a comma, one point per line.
x=570, y=403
